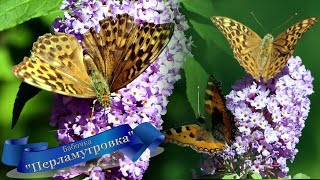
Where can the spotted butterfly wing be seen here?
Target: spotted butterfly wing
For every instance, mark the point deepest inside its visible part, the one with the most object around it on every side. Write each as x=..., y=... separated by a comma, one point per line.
x=283, y=46
x=244, y=42
x=214, y=131
x=127, y=48
x=261, y=57
x=56, y=64
x=113, y=57
x=219, y=118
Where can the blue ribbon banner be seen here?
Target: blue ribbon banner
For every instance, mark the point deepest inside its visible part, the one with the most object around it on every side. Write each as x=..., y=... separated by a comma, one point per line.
x=36, y=157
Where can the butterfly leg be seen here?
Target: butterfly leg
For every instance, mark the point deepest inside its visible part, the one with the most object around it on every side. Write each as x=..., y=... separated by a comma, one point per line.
x=105, y=113
x=92, y=111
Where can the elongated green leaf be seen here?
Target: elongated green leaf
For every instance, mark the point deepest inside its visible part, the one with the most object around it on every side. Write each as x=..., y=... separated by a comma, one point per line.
x=14, y=12
x=195, y=76
x=301, y=176
x=210, y=33
x=204, y=7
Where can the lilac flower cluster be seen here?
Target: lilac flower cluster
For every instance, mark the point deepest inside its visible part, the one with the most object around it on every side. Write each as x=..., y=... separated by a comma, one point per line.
x=270, y=118
x=143, y=100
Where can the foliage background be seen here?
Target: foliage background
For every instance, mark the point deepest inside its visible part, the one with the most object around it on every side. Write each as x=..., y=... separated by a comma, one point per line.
x=214, y=56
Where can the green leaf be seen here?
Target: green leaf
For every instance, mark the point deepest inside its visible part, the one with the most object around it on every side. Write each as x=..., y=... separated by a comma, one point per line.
x=231, y=176
x=195, y=76
x=256, y=176
x=204, y=7
x=210, y=33
x=14, y=12
x=300, y=176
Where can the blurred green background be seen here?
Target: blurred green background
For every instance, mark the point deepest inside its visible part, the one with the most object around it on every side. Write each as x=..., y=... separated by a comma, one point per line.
x=210, y=49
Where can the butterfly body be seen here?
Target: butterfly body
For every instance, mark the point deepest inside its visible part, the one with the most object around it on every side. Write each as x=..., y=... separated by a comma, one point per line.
x=102, y=88
x=105, y=62
x=265, y=52
x=214, y=131
x=261, y=57
x=99, y=83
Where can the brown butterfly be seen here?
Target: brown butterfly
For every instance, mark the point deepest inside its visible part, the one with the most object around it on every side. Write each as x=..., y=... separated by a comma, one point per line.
x=214, y=131
x=261, y=57
x=114, y=57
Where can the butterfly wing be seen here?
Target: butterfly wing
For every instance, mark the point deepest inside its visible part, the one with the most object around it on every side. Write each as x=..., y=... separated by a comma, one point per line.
x=245, y=43
x=218, y=117
x=125, y=48
x=195, y=137
x=218, y=124
x=148, y=41
x=283, y=47
x=107, y=47
x=56, y=64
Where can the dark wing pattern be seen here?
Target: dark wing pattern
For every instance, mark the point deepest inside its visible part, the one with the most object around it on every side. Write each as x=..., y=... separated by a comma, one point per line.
x=56, y=64
x=283, y=47
x=125, y=49
x=218, y=123
x=245, y=43
x=194, y=136
x=218, y=117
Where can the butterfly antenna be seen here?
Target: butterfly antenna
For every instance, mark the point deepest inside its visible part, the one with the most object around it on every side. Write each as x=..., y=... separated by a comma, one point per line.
x=198, y=101
x=258, y=21
x=285, y=22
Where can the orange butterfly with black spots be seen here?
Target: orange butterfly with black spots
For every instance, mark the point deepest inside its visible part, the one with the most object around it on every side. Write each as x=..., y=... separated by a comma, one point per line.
x=214, y=132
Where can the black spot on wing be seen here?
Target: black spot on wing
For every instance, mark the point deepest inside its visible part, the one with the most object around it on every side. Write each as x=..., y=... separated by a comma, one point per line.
x=191, y=135
x=187, y=128
x=168, y=132
x=178, y=129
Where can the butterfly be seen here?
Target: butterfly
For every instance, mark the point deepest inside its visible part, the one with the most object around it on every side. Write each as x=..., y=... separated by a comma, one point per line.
x=261, y=57
x=106, y=61
x=214, y=131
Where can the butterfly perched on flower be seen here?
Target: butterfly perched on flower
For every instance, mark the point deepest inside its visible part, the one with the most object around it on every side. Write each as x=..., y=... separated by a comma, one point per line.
x=108, y=60
x=261, y=57
x=214, y=131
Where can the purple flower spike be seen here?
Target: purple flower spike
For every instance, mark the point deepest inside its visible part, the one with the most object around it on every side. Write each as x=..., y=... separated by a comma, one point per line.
x=269, y=118
x=143, y=100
